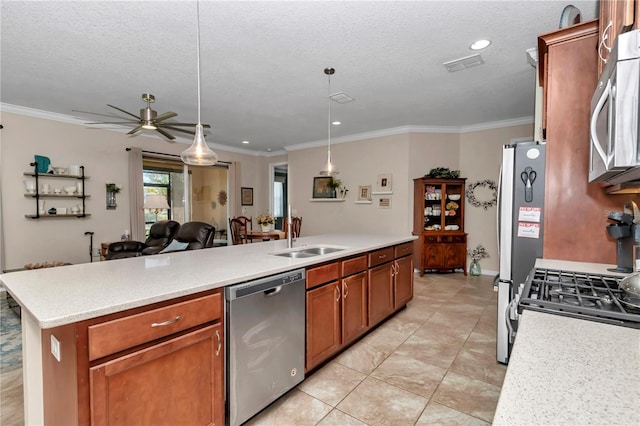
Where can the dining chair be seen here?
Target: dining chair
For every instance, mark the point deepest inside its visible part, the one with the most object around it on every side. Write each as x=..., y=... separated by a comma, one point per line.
x=246, y=221
x=238, y=231
x=296, y=224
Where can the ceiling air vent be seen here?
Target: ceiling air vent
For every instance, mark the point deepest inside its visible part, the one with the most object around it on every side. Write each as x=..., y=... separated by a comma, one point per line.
x=341, y=98
x=464, y=63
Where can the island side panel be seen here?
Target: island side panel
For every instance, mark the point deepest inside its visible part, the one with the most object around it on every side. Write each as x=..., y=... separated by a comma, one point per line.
x=60, y=380
x=32, y=370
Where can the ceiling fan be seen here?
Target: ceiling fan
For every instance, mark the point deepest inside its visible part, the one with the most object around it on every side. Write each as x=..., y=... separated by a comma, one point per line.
x=148, y=119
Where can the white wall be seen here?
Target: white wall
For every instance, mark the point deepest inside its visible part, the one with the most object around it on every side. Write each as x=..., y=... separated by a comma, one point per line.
x=480, y=159
x=103, y=154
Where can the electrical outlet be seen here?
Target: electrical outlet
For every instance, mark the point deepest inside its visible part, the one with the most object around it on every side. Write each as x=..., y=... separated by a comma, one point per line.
x=55, y=347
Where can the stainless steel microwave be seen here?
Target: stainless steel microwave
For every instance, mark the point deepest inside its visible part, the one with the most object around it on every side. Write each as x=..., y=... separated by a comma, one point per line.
x=614, y=153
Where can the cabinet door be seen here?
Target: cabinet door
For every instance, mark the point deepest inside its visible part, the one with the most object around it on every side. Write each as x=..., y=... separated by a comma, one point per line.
x=433, y=256
x=454, y=256
x=355, y=320
x=178, y=381
x=403, y=285
x=323, y=323
x=380, y=293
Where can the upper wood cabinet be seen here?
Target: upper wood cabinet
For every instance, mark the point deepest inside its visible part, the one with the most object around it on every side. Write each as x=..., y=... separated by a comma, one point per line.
x=616, y=16
x=570, y=71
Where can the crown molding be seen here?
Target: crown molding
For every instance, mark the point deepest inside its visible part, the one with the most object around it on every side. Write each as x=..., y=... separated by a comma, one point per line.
x=414, y=129
x=63, y=118
x=47, y=115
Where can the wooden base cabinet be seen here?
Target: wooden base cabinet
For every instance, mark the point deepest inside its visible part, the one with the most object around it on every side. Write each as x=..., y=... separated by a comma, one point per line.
x=162, y=364
x=346, y=298
x=173, y=382
x=337, y=310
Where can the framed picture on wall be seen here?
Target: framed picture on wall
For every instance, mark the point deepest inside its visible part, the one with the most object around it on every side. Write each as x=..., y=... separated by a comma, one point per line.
x=384, y=183
x=246, y=196
x=321, y=188
x=364, y=193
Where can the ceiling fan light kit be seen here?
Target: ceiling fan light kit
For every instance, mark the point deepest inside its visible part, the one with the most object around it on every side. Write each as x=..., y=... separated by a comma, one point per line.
x=199, y=153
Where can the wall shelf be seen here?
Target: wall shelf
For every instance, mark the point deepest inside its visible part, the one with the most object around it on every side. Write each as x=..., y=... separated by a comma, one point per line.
x=381, y=192
x=327, y=200
x=363, y=202
x=50, y=216
x=79, y=193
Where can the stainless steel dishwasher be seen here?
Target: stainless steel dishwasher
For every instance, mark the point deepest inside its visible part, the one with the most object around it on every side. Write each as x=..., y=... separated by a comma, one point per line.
x=265, y=329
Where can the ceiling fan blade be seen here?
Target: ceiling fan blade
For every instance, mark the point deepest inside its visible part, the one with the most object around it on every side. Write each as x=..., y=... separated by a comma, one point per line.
x=104, y=115
x=175, y=129
x=121, y=110
x=137, y=129
x=113, y=122
x=165, y=134
x=165, y=116
x=206, y=126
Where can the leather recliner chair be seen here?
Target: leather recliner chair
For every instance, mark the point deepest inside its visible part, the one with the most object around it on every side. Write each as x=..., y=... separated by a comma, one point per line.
x=198, y=235
x=160, y=235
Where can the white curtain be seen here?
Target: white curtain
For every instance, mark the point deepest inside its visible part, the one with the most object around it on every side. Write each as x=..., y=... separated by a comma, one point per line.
x=136, y=195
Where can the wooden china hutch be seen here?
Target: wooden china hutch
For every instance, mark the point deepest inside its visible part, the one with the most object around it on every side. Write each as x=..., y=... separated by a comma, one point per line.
x=438, y=221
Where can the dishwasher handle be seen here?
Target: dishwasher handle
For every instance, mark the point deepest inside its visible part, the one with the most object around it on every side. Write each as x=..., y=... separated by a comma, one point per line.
x=272, y=291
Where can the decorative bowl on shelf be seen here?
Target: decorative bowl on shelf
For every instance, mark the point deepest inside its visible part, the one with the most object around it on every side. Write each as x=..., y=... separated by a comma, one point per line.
x=70, y=189
x=59, y=170
x=454, y=197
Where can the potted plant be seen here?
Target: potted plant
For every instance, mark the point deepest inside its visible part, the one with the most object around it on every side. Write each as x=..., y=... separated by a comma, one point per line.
x=334, y=184
x=265, y=221
x=476, y=254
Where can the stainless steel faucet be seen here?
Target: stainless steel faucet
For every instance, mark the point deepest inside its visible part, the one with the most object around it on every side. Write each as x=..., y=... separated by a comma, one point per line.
x=289, y=236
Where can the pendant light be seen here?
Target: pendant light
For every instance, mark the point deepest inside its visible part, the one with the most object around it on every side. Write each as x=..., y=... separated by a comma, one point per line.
x=330, y=169
x=199, y=153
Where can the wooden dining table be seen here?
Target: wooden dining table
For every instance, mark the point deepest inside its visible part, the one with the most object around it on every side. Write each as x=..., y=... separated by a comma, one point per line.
x=257, y=235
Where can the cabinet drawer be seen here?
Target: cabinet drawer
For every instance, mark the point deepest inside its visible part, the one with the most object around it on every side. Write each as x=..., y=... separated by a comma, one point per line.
x=459, y=238
x=403, y=249
x=431, y=239
x=354, y=265
x=323, y=274
x=380, y=256
x=123, y=333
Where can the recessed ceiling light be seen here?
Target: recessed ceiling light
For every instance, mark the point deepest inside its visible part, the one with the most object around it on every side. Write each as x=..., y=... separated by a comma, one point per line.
x=480, y=44
x=336, y=123
x=268, y=149
x=245, y=142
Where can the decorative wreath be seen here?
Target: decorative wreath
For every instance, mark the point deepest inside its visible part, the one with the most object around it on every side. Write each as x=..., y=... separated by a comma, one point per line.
x=471, y=196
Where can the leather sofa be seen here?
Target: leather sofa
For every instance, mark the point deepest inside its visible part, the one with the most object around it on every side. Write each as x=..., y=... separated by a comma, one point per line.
x=164, y=237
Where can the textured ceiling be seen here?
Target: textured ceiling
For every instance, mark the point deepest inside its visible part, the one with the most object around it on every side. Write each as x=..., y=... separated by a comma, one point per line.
x=262, y=62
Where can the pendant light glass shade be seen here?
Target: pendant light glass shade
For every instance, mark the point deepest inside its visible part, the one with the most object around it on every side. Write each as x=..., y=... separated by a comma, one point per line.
x=329, y=169
x=199, y=153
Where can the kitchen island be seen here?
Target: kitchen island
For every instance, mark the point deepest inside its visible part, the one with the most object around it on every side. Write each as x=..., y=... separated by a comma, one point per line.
x=59, y=298
x=571, y=371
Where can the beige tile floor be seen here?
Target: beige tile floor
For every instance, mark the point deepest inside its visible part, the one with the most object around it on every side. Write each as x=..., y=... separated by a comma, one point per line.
x=432, y=363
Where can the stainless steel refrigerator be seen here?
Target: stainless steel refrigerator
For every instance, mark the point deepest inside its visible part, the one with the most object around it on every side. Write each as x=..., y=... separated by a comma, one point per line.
x=520, y=231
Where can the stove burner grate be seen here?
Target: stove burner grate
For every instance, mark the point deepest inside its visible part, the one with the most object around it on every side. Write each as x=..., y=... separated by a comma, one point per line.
x=593, y=296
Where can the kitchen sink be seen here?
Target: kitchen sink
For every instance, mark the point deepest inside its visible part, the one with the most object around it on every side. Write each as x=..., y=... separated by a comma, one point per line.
x=296, y=254
x=308, y=252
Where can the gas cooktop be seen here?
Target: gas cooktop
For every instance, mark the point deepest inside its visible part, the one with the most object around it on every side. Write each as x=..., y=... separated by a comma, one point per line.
x=592, y=297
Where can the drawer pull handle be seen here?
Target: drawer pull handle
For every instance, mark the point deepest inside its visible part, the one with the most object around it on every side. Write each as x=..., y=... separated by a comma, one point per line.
x=162, y=324
x=382, y=256
x=219, y=342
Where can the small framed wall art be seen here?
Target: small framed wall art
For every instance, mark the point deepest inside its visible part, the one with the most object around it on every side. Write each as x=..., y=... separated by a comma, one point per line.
x=364, y=193
x=246, y=196
x=384, y=183
x=321, y=188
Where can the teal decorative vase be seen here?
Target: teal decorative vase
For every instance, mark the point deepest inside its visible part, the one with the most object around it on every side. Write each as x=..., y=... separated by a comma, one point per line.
x=474, y=269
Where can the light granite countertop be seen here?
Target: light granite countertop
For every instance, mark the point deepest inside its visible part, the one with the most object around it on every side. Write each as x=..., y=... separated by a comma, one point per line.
x=568, y=371
x=66, y=294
